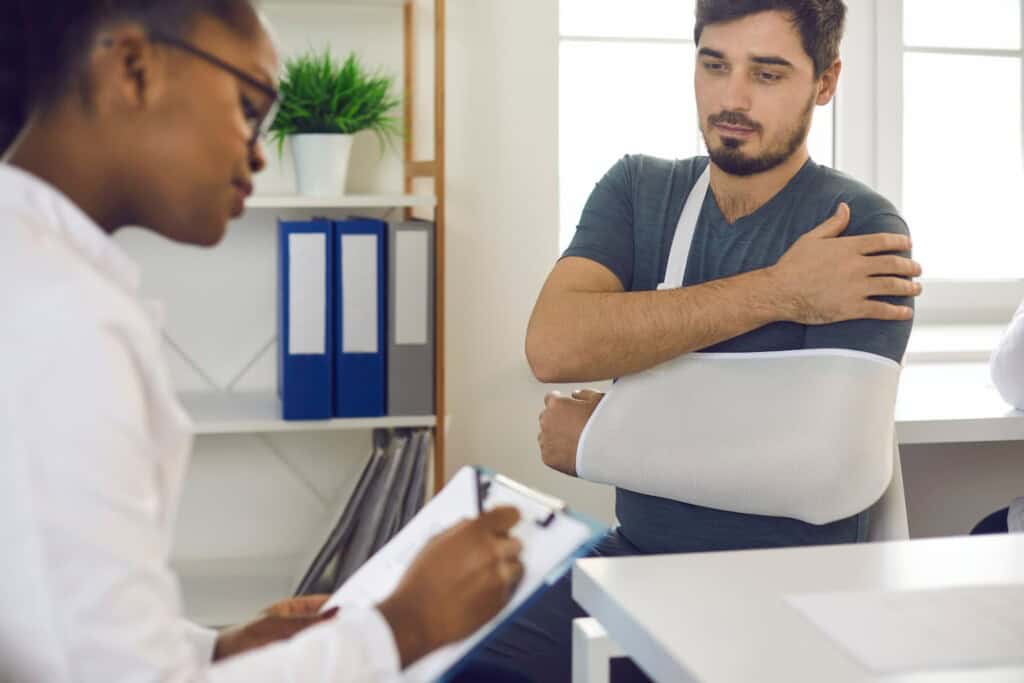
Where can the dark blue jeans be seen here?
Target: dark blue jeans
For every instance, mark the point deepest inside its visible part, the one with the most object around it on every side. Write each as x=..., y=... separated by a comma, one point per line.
x=996, y=523
x=538, y=642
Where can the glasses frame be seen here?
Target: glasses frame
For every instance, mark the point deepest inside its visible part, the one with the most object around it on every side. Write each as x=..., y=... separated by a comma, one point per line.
x=264, y=122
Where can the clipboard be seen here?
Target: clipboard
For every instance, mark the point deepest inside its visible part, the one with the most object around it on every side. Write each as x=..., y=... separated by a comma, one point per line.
x=552, y=536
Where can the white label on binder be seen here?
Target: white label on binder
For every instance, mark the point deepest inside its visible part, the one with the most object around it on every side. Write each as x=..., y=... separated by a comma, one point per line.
x=307, y=293
x=411, y=286
x=359, y=322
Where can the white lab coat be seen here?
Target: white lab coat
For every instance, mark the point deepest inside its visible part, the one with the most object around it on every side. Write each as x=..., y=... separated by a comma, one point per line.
x=93, y=451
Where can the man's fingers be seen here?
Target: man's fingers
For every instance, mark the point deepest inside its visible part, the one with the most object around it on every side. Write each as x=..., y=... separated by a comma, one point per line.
x=550, y=396
x=501, y=519
x=892, y=265
x=879, y=310
x=894, y=286
x=881, y=242
x=835, y=225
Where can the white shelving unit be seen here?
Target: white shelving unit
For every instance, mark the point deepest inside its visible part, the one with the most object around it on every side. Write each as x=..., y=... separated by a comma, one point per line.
x=232, y=564
x=260, y=412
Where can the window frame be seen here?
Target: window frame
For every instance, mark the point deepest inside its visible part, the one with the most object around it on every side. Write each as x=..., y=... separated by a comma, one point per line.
x=944, y=301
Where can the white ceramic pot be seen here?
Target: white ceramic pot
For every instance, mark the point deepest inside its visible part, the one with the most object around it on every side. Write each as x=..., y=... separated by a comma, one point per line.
x=321, y=163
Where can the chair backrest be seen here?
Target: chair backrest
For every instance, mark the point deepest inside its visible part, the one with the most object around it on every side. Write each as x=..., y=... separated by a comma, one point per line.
x=888, y=517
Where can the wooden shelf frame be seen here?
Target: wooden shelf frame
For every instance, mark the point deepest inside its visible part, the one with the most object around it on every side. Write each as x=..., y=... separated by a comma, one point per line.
x=435, y=170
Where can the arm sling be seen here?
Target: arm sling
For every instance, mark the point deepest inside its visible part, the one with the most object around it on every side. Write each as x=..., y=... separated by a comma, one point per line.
x=806, y=434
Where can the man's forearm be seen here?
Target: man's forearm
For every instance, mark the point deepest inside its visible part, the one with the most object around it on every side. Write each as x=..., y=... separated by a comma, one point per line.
x=593, y=336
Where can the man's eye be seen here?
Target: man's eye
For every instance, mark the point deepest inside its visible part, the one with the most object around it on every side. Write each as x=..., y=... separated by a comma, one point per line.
x=714, y=66
x=767, y=76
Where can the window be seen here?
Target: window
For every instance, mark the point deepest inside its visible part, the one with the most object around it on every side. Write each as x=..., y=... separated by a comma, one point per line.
x=961, y=158
x=626, y=86
x=949, y=149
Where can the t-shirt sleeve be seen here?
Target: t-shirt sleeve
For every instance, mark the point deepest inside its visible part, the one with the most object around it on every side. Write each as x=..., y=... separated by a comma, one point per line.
x=605, y=230
x=882, y=337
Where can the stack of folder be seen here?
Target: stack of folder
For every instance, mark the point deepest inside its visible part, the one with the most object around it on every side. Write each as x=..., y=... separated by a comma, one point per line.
x=355, y=318
x=391, y=490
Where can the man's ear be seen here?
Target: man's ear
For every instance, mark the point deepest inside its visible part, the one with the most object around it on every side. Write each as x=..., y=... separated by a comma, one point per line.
x=126, y=70
x=828, y=83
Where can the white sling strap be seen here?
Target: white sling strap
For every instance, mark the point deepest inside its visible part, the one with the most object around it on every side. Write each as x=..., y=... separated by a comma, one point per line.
x=806, y=434
x=680, y=252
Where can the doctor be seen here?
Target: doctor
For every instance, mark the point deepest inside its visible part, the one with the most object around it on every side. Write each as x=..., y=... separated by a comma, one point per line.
x=146, y=112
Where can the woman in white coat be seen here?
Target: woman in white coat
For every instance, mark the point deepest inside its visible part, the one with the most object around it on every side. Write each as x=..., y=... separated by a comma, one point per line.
x=148, y=113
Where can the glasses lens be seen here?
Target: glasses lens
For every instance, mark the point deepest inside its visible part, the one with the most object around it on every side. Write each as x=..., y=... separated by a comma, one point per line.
x=263, y=125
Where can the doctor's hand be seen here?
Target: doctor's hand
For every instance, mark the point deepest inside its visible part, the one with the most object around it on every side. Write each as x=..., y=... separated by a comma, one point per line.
x=825, y=278
x=460, y=580
x=280, y=621
x=561, y=424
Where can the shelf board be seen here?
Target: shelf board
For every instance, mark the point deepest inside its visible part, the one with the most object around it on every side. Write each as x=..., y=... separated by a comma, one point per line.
x=354, y=201
x=227, y=592
x=343, y=3
x=260, y=412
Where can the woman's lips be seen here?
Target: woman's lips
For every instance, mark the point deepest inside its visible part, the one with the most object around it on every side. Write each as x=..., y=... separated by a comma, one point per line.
x=242, y=191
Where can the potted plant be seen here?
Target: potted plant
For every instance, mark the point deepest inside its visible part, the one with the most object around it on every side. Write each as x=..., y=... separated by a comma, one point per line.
x=323, y=105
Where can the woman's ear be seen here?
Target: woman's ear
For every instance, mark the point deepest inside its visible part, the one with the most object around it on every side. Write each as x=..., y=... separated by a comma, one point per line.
x=126, y=70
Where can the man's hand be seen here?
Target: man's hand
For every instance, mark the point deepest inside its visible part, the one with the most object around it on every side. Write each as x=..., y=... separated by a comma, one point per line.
x=825, y=278
x=561, y=424
x=459, y=581
x=280, y=621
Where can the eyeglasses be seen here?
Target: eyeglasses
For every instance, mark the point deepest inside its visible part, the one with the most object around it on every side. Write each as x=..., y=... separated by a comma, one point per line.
x=259, y=122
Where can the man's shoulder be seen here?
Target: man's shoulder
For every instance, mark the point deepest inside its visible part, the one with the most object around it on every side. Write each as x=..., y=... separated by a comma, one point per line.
x=870, y=211
x=644, y=167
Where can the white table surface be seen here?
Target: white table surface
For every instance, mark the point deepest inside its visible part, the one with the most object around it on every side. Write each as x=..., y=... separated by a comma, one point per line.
x=721, y=617
x=953, y=403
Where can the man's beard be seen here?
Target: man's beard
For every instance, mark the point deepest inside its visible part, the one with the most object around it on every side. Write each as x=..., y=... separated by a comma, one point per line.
x=730, y=157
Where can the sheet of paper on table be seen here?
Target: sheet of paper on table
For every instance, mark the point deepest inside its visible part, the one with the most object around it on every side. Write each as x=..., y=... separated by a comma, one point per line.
x=890, y=632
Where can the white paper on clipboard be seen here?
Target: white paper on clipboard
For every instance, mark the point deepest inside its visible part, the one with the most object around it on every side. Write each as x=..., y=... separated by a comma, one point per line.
x=545, y=549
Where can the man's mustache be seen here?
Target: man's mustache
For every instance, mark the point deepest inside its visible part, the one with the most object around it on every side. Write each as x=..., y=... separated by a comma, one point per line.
x=733, y=118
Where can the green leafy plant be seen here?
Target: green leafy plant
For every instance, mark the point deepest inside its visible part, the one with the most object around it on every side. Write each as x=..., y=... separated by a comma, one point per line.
x=319, y=96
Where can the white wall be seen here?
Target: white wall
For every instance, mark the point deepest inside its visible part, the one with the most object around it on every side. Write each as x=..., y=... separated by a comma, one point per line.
x=502, y=233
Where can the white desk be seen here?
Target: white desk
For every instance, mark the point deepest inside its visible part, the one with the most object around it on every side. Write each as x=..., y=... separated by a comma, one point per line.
x=721, y=618
x=953, y=403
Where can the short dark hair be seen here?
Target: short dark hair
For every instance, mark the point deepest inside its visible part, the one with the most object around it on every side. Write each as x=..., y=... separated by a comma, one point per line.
x=45, y=49
x=820, y=22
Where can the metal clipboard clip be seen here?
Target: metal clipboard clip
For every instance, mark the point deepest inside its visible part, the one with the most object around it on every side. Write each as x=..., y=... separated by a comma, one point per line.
x=485, y=481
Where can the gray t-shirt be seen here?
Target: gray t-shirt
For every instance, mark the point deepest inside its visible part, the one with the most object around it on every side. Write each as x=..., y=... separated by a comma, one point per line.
x=627, y=226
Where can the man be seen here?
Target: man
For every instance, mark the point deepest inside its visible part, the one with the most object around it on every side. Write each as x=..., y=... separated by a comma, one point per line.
x=145, y=112
x=767, y=271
